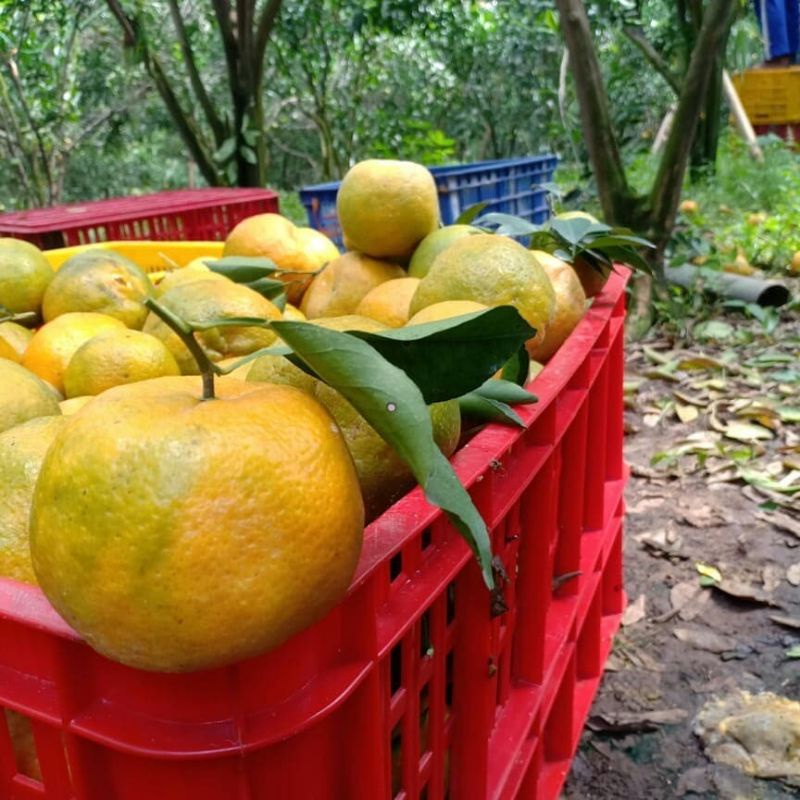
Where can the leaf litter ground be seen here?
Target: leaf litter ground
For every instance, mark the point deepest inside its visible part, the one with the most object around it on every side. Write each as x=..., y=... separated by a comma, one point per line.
x=712, y=561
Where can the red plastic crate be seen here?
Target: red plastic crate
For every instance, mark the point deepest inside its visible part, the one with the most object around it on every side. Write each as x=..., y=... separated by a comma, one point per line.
x=408, y=689
x=183, y=215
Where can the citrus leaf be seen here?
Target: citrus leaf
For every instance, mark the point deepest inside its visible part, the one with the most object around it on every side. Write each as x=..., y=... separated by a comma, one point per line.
x=573, y=231
x=708, y=571
x=469, y=214
x=451, y=357
x=506, y=225
x=229, y=322
x=390, y=402
x=242, y=269
x=505, y=392
x=477, y=407
x=517, y=368
x=225, y=151
x=267, y=287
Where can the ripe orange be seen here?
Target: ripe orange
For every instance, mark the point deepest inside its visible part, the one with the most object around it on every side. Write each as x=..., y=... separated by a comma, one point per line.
x=14, y=340
x=492, y=270
x=341, y=286
x=54, y=344
x=386, y=208
x=24, y=275
x=252, y=496
x=389, y=302
x=298, y=250
x=100, y=281
x=433, y=244
x=446, y=310
x=206, y=300
x=570, y=305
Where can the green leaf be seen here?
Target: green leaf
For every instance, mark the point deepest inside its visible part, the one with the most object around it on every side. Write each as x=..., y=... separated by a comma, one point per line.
x=248, y=154
x=241, y=269
x=505, y=392
x=476, y=407
x=506, y=225
x=267, y=287
x=469, y=214
x=517, y=368
x=451, y=357
x=390, y=402
x=230, y=322
x=793, y=651
x=574, y=230
x=226, y=150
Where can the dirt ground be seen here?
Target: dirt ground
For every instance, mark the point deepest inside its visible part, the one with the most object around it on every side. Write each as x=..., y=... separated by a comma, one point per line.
x=714, y=444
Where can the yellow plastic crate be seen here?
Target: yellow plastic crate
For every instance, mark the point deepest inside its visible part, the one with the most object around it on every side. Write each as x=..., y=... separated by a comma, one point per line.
x=770, y=95
x=150, y=256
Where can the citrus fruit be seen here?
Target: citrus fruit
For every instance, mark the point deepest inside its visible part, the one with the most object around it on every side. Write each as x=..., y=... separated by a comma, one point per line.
x=576, y=215
x=101, y=281
x=22, y=450
x=24, y=276
x=14, y=340
x=206, y=300
x=794, y=264
x=116, y=357
x=386, y=208
x=492, y=270
x=74, y=404
x=688, y=207
x=290, y=248
x=316, y=245
x=433, y=244
x=156, y=493
x=445, y=310
x=240, y=373
x=570, y=305
x=293, y=313
x=23, y=396
x=189, y=274
x=54, y=344
x=342, y=284
x=592, y=278
x=389, y=302
x=21, y=733
x=349, y=322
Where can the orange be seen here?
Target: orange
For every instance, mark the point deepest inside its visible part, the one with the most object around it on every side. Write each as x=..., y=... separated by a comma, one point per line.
x=445, y=310
x=189, y=274
x=24, y=276
x=386, y=208
x=491, y=270
x=433, y=244
x=101, y=281
x=570, y=305
x=389, y=302
x=54, y=344
x=178, y=534
x=74, y=404
x=116, y=357
x=343, y=283
x=206, y=300
x=592, y=278
x=14, y=339
x=23, y=396
x=293, y=249
x=22, y=450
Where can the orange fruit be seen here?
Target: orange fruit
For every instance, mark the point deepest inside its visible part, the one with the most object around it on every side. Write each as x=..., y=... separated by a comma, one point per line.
x=54, y=344
x=24, y=276
x=206, y=300
x=433, y=244
x=389, y=302
x=116, y=357
x=74, y=404
x=293, y=249
x=492, y=270
x=343, y=283
x=189, y=274
x=445, y=310
x=592, y=278
x=22, y=450
x=23, y=396
x=251, y=497
x=386, y=208
x=100, y=281
x=570, y=305
x=14, y=340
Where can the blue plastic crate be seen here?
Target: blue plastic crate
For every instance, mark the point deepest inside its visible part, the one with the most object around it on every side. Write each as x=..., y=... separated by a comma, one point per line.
x=509, y=185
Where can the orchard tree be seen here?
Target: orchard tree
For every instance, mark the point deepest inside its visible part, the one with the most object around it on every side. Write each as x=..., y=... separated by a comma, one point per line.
x=653, y=213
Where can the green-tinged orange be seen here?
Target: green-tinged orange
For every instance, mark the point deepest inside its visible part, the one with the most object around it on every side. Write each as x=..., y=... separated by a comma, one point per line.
x=435, y=243
x=14, y=340
x=177, y=534
x=23, y=396
x=24, y=275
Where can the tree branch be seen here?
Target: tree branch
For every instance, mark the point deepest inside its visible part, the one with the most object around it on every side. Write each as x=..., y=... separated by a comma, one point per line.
x=666, y=190
x=199, y=89
x=266, y=22
x=222, y=11
x=604, y=154
x=636, y=35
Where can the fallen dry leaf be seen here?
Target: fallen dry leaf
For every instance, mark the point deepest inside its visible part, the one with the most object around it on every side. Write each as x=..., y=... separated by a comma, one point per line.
x=772, y=577
x=782, y=521
x=686, y=413
x=793, y=574
x=633, y=721
x=704, y=517
x=789, y=622
x=745, y=591
x=635, y=612
x=704, y=639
